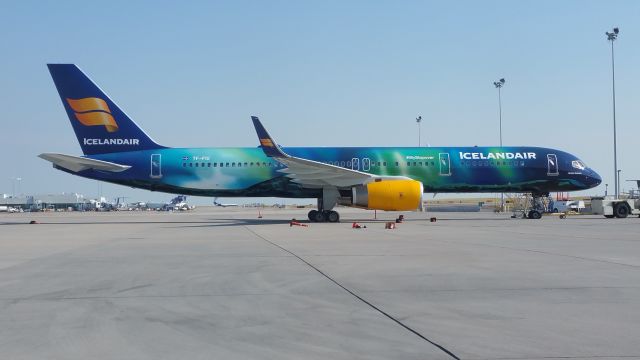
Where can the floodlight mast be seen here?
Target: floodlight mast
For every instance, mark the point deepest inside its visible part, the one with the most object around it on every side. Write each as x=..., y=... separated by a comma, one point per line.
x=612, y=36
x=498, y=84
x=419, y=121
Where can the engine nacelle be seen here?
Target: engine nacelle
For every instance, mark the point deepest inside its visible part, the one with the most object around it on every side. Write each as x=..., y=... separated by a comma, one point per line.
x=389, y=195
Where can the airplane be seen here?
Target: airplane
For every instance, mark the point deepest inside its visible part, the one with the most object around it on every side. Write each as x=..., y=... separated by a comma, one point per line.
x=216, y=203
x=118, y=151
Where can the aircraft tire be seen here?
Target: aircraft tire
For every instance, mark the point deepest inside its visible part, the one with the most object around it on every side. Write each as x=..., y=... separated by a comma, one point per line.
x=535, y=214
x=320, y=216
x=333, y=216
x=621, y=210
x=312, y=215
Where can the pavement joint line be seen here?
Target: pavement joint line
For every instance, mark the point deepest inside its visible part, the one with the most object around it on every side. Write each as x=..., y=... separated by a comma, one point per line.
x=442, y=348
x=512, y=289
x=535, y=251
x=36, y=298
x=556, y=254
x=559, y=357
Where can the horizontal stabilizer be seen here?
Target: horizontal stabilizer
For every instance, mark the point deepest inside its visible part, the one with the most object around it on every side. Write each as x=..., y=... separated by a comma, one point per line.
x=76, y=163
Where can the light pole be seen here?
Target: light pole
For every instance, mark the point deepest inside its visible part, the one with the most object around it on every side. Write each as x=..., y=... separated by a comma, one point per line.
x=498, y=84
x=618, y=179
x=419, y=121
x=13, y=185
x=612, y=36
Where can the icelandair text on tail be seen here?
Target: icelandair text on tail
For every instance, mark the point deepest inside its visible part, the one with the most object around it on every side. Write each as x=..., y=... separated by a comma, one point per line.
x=111, y=141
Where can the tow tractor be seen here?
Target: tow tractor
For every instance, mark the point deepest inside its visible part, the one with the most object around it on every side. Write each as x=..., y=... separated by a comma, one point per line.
x=619, y=208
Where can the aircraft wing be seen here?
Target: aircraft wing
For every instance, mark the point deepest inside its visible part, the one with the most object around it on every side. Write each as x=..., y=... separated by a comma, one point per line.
x=310, y=173
x=77, y=163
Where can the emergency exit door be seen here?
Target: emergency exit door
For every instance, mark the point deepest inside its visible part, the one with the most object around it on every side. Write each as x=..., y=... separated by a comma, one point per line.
x=445, y=164
x=156, y=166
x=552, y=165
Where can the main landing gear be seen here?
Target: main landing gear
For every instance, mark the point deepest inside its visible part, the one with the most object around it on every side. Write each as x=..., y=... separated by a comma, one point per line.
x=327, y=202
x=324, y=216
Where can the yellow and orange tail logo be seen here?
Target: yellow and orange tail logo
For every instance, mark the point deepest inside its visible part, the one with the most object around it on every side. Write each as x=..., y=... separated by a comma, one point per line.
x=93, y=112
x=266, y=142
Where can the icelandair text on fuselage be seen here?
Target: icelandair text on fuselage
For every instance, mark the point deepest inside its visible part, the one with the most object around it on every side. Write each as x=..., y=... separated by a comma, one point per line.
x=111, y=141
x=496, y=156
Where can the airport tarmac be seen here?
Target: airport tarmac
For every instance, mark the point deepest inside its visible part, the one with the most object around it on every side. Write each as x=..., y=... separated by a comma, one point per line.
x=223, y=284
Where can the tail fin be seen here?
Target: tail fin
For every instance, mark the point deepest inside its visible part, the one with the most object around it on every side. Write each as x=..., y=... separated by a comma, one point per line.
x=100, y=125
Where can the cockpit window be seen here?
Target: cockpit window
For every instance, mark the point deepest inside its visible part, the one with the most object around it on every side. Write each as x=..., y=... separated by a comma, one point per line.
x=578, y=164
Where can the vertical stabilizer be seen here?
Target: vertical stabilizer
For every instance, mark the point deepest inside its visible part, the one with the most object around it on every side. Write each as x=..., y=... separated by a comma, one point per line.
x=100, y=125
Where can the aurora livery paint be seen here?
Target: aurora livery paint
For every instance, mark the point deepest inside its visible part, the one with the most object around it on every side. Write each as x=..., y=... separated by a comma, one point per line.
x=116, y=150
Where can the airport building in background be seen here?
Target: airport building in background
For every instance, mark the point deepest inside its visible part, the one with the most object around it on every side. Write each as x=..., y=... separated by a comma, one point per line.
x=64, y=201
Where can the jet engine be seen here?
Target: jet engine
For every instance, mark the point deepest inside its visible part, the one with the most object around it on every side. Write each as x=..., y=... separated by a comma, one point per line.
x=389, y=195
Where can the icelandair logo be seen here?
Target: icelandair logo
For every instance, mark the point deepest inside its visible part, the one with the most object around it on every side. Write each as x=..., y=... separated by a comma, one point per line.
x=497, y=155
x=266, y=142
x=93, y=112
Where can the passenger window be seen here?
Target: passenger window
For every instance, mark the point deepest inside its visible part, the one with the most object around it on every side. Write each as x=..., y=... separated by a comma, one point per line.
x=384, y=163
x=197, y=164
x=208, y=164
x=184, y=164
x=202, y=165
x=190, y=164
x=397, y=164
x=215, y=164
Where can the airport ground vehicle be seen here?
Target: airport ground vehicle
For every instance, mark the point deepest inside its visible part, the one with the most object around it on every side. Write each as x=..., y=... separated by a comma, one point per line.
x=568, y=205
x=619, y=208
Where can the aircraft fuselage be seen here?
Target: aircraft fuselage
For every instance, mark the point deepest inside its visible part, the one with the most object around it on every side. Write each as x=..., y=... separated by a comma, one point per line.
x=248, y=172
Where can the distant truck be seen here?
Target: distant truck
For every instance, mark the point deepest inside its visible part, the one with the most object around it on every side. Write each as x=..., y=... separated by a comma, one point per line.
x=568, y=205
x=619, y=208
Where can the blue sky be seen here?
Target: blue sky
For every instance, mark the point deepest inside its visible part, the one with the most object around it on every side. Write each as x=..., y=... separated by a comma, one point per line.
x=325, y=73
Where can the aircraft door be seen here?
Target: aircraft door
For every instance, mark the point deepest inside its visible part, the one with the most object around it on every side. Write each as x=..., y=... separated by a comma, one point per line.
x=445, y=164
x=156, y=166
x=552, y=165
x=366, y=164
x=355, y=164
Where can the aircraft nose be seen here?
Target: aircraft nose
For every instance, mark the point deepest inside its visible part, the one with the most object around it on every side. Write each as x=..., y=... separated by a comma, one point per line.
x=594, y=178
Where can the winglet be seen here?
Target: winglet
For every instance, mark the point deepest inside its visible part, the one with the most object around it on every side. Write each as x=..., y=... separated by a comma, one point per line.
x=268, y=145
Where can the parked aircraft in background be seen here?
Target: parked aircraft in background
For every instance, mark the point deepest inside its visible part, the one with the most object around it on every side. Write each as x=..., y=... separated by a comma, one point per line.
x=216, y=203
x=116, y=150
